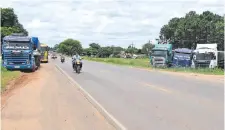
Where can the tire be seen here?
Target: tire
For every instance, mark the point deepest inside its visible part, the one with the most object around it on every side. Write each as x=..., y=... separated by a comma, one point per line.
x=33, y=69
x=78, y=69
x=74, y=68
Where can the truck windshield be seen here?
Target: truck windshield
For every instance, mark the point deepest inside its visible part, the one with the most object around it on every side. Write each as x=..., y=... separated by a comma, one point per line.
x=204, y=56
x=17, y=45
x=182, y=55
x=43, y=49
x=159, y=53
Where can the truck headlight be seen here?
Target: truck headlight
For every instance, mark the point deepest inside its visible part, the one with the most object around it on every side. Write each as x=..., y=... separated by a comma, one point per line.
x=5, y=62
x=194, y=57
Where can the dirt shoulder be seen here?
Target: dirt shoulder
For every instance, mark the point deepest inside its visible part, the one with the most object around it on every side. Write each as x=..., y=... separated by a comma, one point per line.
x=12, y=86
x=45, y=100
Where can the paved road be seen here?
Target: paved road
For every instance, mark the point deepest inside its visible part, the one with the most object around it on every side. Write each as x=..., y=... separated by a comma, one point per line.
x=152, y=100
x=47, y=101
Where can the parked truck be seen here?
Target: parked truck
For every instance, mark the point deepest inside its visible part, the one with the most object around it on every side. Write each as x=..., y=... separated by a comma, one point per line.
x=18, y=52
x=207, y=55
x=44, y=53
x=161, y=55
x=182, y=57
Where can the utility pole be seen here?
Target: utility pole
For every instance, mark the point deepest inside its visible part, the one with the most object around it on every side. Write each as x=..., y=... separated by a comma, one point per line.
x=132, y=48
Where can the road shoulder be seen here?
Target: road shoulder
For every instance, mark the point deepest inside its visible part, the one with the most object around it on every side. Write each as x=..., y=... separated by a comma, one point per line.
x=48, y=101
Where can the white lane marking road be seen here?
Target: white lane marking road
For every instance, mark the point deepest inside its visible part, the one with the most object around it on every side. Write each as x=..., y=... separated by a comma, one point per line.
x=155, y=87
x=98, y=106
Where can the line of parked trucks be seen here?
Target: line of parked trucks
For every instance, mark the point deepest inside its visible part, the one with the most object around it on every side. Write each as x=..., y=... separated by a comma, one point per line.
x=20, y=52
x=205, y=55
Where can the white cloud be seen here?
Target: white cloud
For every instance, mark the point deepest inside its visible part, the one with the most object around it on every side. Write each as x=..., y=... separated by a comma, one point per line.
x=104, y=21
x=37, y=24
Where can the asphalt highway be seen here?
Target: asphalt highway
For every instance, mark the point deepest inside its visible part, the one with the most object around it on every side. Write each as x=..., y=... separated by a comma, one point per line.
x=152, y=100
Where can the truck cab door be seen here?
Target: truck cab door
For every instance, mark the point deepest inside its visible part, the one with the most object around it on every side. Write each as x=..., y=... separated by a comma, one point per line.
x=213, y=62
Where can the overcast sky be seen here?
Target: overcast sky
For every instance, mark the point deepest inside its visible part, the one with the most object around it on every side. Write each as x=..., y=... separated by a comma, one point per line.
x=107, y=22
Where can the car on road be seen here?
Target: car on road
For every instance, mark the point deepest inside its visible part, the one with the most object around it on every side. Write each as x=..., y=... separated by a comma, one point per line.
x=54, y=56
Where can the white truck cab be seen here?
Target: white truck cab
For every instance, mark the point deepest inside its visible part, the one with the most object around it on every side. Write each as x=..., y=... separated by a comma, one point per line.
x=205, y=55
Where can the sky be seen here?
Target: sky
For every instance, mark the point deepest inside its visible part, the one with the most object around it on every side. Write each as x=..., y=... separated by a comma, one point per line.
x=107, y=22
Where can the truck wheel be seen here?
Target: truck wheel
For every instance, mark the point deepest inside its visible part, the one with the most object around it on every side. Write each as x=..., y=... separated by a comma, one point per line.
x=33, y=69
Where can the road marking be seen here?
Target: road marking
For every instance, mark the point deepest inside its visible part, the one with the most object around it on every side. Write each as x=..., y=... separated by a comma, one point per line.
x=104, y=71
x=155, y=87
x=113, y=121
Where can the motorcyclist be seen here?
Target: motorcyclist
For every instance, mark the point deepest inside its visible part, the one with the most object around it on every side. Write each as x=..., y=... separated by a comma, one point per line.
x=62, y=57
x=76, y=57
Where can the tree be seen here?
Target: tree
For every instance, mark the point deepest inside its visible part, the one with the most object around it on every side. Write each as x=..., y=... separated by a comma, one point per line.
x=131, y=49
x=70, y=47
x=146, y=48
x=194, y=28
x=90, y=51
x=105, y=52
x=10, y=23
x=56, y=47
x=95, y=46
x=116, y=50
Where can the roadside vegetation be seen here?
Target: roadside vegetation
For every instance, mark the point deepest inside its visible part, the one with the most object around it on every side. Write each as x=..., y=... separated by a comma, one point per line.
x=122, y=61
x=7, y=76
x=144, y=63
x=9, y=24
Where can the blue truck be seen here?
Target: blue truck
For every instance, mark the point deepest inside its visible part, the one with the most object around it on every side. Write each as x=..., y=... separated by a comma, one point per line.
x=161, y=55
x=18, y=52
x=182, y=57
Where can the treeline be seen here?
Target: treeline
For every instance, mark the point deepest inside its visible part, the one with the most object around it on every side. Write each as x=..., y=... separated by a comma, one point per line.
x=194, y=28
x=10, y=23
x=71, y=47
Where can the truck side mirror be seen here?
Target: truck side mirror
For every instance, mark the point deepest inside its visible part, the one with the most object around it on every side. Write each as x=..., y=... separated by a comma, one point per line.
x=34, y=47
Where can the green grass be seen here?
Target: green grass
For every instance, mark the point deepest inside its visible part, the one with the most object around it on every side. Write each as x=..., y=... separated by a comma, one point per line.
x=7, y=76
x=121, y=61
x=207, y=71
x=144, y=63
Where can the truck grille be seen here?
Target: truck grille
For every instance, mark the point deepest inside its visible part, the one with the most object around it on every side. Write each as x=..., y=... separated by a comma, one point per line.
x=182, y=63
x=203, y=65
x=156, y=59
x=16, y=59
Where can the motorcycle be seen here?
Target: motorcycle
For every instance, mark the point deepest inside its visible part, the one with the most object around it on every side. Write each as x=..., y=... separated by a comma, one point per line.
x=77, y=65
x=54, y=57
x=62, y=60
